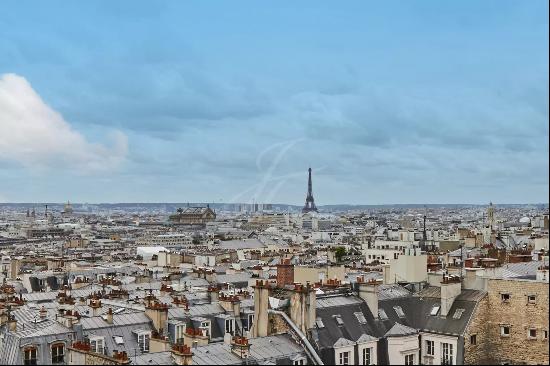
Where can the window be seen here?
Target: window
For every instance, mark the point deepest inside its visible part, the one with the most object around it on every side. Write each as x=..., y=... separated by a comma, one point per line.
x=430, y=348
x=545, y=334
x=504, y=330
x=473, y=339
x=229, y=326
x=319, y=323
x=446, y=354
x=409, y=359
x=143, y=341
x=344, y=358
x=532, y=334
x=458, y=313
x=118, y=340
x=180, y=331
x=382, y=314
x=58, y=353
x=360, y=318
x=250, y=321
x=338, y=319
x=30, y=356
x=531, y=299
x=435, y=310
x=399, y=311
x=367, y=356
x=97, y=345
x=205, y=326
x=505, y=297
x=300, y=361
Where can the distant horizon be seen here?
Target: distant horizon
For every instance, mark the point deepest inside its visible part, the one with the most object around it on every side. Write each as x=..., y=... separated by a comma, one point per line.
x=195, y=204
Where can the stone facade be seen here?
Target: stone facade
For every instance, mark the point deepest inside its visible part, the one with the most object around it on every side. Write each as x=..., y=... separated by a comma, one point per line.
x=507, y=304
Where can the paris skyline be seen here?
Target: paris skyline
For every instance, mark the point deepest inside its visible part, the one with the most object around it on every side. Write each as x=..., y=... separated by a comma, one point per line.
x=389, y=103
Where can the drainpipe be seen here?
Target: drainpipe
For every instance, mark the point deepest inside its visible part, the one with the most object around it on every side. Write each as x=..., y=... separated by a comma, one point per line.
x=309, y=348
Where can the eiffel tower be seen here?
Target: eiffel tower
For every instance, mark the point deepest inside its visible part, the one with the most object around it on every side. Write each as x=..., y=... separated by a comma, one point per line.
x=310, y=202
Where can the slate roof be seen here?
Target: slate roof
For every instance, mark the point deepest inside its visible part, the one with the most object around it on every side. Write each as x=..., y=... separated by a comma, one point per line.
x=399, y=330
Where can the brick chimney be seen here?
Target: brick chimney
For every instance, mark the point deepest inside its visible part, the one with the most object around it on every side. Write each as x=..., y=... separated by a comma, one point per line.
x=43, y=313
x=240, y=347
x=182, y=354
x=368, y=291
x=451, y=287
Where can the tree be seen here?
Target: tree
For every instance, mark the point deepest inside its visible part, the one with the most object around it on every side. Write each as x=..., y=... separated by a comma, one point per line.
x=339, y=253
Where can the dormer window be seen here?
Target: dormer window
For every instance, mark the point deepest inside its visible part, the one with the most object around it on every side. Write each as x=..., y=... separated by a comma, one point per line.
x=230, y=326
x=205, y=327
x=97, y=345
x=180, y=331
x=30, y=356
x=143, y=341
x=58, y=353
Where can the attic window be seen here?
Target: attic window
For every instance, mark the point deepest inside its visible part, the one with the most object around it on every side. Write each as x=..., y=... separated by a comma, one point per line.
x=118, y=340
x=360, y=318
x=458, y=313
x=399, y=311
x=319, y=323
x=382, y=314
x=435, y=310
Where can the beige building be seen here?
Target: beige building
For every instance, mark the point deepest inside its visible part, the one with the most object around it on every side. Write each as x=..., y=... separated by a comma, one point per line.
x=510, y=325
x=312, y=275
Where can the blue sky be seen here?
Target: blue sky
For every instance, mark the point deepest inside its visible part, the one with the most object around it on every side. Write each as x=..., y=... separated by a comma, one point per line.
x=388, y=101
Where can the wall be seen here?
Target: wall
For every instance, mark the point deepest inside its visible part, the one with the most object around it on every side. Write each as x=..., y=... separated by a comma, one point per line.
x=491, y=312
x=438, y=348
x=398, y=347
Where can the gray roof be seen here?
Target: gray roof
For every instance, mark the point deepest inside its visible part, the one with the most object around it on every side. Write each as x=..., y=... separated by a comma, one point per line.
x=399, y=330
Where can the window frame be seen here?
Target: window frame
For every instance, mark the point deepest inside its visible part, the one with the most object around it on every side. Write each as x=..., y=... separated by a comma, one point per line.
x=502, y=332
x=409, y=359
x=447, y=353
x=343, y=357
x=366, y=356
x=95, y=347
x=430, y=346
x=145, y=345
x=30, y=360
x=60, y=358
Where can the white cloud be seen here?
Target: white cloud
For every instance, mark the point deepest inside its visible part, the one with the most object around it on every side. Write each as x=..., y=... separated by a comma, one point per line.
x=36, y=136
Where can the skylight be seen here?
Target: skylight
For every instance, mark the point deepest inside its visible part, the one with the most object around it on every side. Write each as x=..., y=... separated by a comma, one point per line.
x=399, y=311
x=339, y=320
x=382, y=314
x=118, y=340
x=458, y=313
x=319, y=323
x=360, y=318
x=435, y=310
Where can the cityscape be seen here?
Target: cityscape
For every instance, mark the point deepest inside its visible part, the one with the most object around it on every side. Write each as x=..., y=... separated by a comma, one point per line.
x=361, y=183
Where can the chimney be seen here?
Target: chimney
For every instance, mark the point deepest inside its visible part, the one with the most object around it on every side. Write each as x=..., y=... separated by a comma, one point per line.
x=182, y=354
x=302, y=306
x=109, y=316
x=542, y=274
x=158, y=313
x=368, y=291
x=12, y=323
x=213, y=292
x=240, y=347
x=43, y=313
x=261, y=305
x=450, y=289
x=121, y=358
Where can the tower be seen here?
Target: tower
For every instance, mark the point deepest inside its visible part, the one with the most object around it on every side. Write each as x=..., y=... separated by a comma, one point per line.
x=424, y=236
x=491, y=216
x=310, y=202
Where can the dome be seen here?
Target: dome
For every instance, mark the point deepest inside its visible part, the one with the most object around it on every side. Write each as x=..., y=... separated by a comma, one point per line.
x=525, y=220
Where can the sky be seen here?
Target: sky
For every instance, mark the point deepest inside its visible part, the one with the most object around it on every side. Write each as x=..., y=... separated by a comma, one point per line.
x=231, y=101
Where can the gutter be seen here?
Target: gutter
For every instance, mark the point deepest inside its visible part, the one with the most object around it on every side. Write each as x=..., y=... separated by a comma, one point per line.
x=308, y=347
